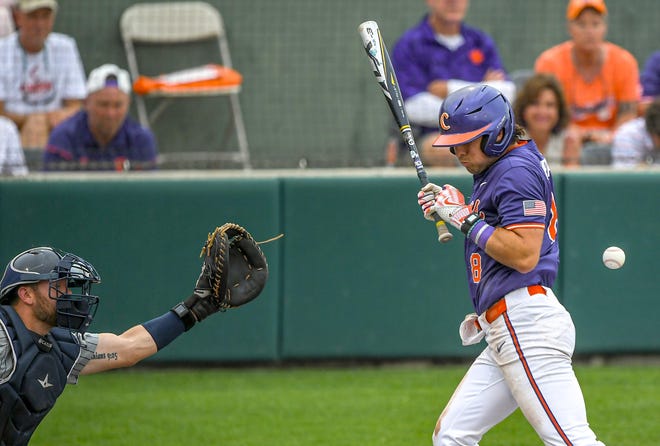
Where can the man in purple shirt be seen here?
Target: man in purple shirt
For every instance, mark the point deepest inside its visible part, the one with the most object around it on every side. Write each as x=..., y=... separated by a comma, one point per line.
x=436, y=57
x=102, y=136
x=650, y=76
x=511, y=256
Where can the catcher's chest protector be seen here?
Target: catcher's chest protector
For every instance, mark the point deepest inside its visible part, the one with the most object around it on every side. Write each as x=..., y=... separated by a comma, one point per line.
x=38, y=379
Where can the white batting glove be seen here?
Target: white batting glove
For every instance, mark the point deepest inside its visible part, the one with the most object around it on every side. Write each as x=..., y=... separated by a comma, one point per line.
x=426, y=199
x=446, y=201
x=449, y=203
x=455, y=215
x=449, y=196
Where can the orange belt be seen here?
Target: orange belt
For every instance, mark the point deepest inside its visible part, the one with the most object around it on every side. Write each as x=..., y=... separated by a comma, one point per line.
x=499, y=307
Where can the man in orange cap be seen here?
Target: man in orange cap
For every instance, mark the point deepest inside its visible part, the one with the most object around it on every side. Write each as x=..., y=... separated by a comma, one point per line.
x=600, y=80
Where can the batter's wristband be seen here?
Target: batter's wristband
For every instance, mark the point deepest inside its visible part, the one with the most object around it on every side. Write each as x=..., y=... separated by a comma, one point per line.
x=480, y=232
x=469, y=223
x=164, y=329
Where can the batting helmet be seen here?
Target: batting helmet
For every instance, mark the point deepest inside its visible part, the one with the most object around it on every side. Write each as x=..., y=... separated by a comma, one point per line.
x=473, y=112
x=74, y=310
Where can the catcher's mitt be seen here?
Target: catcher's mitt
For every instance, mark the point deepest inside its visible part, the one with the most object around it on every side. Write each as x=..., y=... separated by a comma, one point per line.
x=234, y=268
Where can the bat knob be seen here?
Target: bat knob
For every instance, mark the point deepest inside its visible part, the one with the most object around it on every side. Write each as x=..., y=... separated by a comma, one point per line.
x=443, y=233
x=444, y=238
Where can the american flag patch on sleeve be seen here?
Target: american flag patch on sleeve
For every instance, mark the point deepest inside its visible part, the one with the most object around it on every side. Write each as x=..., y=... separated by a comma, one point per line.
x=533, y=207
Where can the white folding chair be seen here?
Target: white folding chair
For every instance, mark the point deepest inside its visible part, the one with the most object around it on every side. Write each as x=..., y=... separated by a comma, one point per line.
x=182, y=22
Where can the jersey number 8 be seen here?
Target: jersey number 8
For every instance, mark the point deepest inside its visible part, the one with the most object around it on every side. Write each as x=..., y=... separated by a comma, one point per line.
x=475, y=267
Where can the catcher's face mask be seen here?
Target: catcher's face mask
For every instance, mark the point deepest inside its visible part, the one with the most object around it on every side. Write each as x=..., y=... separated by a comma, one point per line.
x=76, y=306
x=70, y=280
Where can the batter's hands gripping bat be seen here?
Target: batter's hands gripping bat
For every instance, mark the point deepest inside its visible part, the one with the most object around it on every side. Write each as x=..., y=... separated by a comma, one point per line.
x=384, y=72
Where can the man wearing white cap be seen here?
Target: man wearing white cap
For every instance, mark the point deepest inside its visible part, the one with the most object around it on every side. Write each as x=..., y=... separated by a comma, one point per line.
x=102, y=136
x=42, y=80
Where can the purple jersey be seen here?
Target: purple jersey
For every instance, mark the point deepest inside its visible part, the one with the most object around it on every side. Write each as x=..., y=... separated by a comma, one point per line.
x=72, y=142
x=515, y=192
x=419, y=58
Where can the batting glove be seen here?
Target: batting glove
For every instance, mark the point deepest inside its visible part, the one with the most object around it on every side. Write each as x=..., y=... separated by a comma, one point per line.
x=449, y=203
x=450, y=196
x=427, y=198
x=446, y=201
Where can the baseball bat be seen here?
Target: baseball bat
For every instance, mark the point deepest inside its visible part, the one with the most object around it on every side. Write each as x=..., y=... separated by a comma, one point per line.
x=384, y=71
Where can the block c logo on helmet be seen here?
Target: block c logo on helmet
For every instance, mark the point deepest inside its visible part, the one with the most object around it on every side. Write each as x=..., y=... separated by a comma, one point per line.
x=444, y=125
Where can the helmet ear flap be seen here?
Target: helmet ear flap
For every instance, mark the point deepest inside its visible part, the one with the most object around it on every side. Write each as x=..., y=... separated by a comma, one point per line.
x=484, y=142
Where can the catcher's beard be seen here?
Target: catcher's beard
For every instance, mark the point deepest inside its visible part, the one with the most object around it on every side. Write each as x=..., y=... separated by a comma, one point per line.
x=45, y=309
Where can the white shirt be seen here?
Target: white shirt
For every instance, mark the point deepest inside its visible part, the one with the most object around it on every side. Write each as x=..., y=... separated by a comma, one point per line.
x=632, y=145
x=12, y=159
x=31, y=83
x=6, y=20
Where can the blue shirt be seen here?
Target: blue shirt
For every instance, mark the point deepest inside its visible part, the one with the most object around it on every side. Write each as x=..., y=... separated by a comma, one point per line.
x=71, y=146
x=517, y=191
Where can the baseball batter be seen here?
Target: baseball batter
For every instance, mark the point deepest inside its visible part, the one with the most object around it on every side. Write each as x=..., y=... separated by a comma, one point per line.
x=512, y=255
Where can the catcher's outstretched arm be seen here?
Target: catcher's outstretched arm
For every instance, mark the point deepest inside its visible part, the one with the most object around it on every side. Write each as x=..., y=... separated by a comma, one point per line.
x=127, y=349
x=234, y=272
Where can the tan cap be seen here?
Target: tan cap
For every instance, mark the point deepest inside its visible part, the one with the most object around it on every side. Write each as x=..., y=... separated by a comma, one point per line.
x=575, y=7
x=32, y=5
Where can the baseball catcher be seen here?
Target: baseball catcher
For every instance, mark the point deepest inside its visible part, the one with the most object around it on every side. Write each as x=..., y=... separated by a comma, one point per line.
x=46, y=306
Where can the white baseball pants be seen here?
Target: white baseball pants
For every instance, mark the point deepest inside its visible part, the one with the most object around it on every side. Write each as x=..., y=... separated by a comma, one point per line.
x=527, y=364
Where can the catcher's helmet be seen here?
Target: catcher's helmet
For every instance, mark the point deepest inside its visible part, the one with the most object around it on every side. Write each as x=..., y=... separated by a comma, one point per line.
x=74, y=310
x=473, y=112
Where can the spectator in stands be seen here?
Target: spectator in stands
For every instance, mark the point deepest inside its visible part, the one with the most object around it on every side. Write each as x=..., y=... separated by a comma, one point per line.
x=540, y=107
x=600, y=79
x=650, y=76
x=42, y=81
x=637, y=142
x=650, y=79
x=102, y=136
x=6, y=18
x=12, y=159
x=435, y=57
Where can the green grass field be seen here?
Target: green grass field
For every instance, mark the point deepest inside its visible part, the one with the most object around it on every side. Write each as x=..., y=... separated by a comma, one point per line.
x=389, y=405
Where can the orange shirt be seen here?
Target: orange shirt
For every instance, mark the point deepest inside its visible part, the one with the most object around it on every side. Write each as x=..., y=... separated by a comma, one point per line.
x=593, y=105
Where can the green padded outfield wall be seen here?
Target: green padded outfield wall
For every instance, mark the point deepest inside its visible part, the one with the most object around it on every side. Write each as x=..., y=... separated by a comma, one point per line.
x=366, y=277
x=308, y=90
x=358, y=273
x=613, y=310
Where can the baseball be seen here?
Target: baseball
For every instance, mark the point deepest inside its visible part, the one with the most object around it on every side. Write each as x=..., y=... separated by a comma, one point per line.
x=614, y=257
